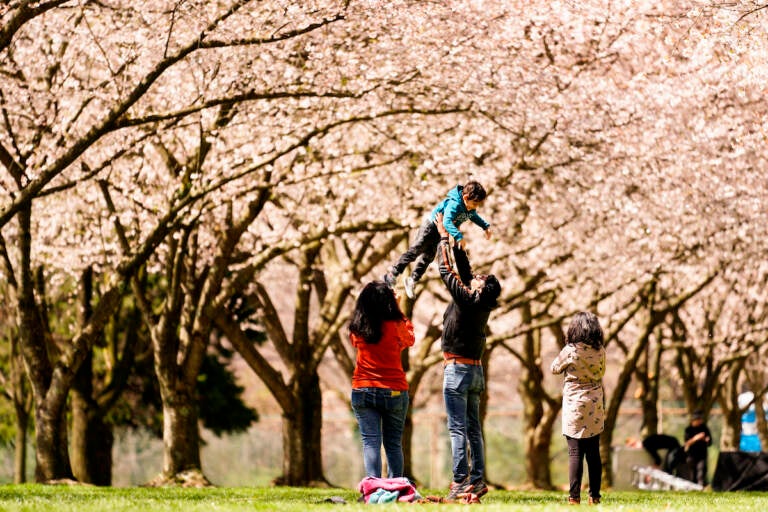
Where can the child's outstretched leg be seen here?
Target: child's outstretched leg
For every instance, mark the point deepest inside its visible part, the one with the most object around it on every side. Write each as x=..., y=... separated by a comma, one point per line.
x=425, y=243
x=422, y=262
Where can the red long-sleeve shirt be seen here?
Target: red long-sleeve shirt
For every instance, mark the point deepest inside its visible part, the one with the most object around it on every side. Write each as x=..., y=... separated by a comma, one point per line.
x=378, y=365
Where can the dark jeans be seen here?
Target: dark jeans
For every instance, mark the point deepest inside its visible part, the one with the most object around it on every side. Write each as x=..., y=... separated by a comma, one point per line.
x=462, y=386
x=422, y=250
x=380, y=415
x=697, y=468
x=578, y=449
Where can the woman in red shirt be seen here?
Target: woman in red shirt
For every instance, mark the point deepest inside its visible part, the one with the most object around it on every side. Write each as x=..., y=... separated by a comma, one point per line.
x=380, y=331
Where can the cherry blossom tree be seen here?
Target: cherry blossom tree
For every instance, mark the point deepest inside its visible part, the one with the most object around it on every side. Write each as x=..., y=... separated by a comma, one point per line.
x=622, y=142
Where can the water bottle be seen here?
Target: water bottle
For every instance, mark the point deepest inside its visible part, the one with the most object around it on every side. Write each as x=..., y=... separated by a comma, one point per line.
x=749, y=442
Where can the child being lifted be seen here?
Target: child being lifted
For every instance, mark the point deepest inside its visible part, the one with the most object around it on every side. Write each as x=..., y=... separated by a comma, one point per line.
x=460, y=205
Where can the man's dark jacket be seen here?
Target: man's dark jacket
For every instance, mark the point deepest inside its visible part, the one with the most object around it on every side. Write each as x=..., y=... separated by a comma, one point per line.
x=465, y=320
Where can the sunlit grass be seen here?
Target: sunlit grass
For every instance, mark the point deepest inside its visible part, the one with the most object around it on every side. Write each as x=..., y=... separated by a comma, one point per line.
x=33, y=497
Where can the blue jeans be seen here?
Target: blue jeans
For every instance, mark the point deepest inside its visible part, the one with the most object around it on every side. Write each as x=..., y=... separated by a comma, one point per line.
x=380, y=415
x=462, y=386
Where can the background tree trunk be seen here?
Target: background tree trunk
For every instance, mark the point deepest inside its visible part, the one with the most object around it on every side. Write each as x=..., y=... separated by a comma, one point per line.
x=19, y=394
x=20, y=450
x=537, y=421
x=647, y=374
x=181, y=437
x=762, y=425
x=302, y=447
x=52, y=456
x=538, y=429
x=92, y=437
x=92, y=441
x=727, y=397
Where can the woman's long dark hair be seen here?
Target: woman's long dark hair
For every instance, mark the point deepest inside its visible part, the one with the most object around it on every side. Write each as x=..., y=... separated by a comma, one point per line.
x=585, y=328
x=375, y=304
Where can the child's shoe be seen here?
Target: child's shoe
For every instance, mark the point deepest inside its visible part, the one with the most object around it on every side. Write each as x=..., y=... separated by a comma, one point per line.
x=390, y=278
x=409, y=284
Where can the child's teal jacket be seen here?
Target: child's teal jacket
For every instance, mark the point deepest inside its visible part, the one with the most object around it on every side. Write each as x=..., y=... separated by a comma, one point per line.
x=455, y=213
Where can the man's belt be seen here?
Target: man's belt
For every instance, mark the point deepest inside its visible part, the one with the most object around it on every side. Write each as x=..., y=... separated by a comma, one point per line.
x=449, y=358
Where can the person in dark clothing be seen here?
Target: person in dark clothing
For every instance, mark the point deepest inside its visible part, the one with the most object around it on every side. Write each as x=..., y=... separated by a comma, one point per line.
x=697, y=440
x=463, y=342
x=655, y=442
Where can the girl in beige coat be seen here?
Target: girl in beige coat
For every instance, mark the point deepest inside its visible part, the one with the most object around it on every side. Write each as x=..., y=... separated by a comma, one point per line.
x=583, y=362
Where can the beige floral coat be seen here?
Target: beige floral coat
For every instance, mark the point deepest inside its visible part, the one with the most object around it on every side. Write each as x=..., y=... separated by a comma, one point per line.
x=583, y=399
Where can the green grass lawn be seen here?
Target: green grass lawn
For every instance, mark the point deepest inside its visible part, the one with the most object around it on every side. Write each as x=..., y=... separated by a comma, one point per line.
x=33, y=497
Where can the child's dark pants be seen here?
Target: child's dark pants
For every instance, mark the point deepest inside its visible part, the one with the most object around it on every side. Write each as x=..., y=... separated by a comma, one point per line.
x=422, y=250
x=577, y=450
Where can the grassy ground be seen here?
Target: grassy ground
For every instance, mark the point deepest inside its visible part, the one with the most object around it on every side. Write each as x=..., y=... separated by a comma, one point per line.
x=91, y=499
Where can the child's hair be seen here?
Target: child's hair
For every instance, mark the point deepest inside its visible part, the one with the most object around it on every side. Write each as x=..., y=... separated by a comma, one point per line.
x=474, y=191
x=585, y=328
x=375, y=304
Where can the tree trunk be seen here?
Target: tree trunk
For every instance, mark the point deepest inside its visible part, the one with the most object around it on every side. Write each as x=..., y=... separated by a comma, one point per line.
x=181, y=436
x=20, y=450
x=762, y=425
x=617, y=397
x=52, y=457
x=92, y=438
x=21, y=397
x=537, y=429
x=92, y=442
x=538, y=439
x=649, y=370
x=302, y=427
x=537, y=434
x=730, y=436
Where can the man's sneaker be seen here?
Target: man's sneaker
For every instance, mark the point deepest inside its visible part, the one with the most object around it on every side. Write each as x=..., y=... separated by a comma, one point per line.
x=390, y=279
x=479, y=488
x=409, y=284
x=458, y=490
